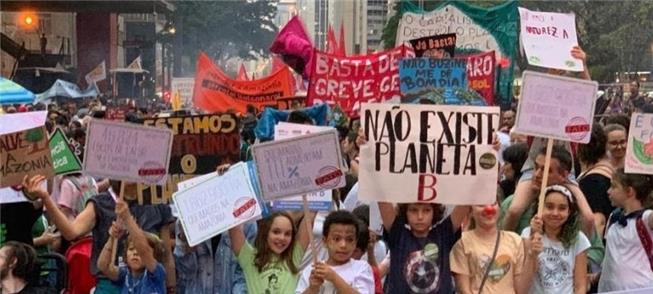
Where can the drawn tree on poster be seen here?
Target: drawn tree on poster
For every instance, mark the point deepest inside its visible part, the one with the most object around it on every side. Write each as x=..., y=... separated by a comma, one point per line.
x=34, y=136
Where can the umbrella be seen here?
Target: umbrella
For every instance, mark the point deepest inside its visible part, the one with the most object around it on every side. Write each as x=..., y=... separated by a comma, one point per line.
x=12, y=93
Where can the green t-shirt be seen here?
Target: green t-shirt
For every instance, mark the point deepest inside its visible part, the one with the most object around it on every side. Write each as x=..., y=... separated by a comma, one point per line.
x=275, y=278
x=524, y=220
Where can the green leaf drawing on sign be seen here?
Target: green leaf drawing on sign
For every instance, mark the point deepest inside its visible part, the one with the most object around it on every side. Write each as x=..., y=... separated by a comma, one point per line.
x=63, y=158
x=638, y=150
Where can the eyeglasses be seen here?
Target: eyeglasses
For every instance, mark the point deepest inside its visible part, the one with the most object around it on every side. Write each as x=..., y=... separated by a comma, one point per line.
x=617, y=143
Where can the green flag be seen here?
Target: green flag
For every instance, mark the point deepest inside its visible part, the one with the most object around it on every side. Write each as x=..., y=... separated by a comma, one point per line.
x=63, y=158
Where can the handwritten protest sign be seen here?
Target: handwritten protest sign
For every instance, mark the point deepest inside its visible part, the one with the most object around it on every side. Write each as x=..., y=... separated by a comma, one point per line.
x=63, y=157
x=556, y=107
x=350, y=81
x=24, y=153
x=428, y=153
x=117, y=113
x=423, y=74
x=215, y=92
x=316, y=200
x=129, y=152
x=438, y=46
x=548, y=38
x=217, y=204
x=477, y=30
x=300, y=165
x=183, y=86
x=200, y=144
x=480, y=74
x=639, y=152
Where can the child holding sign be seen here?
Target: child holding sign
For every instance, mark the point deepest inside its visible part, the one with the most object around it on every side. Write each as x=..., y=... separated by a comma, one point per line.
x=271, y=265
x=628, y=262
x=420, y=241
x=339, y=273
x=489, y=260
x=563, y=262
x=144, y=272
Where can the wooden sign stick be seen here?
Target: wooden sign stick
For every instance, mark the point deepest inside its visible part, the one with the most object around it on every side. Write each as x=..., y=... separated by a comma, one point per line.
x=309, y=228
x=545, y=175
x=114, y=247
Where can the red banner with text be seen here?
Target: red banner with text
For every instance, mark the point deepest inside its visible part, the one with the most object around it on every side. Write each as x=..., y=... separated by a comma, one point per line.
x=353, y=80
x=214, y=91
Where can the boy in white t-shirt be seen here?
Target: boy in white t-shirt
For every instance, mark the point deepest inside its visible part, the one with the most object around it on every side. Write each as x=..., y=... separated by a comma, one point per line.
x=339, y=273
x=627, y=264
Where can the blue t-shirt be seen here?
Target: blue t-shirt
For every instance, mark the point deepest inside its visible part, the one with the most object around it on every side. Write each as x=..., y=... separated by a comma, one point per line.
x=146, y=283
x=420, y=265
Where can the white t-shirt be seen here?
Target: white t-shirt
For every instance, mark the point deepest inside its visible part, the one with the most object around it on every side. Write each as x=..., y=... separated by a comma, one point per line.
x=626, y=265
x=356, y=273
x=555, y=272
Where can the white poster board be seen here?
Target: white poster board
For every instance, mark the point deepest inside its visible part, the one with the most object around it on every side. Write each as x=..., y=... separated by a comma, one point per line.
x=16, y=122
x=428, y=153
x=300, y=165
x=639, y=150
x=185, y=87
x=547, y=39
x=317, y=201
x=556, y=107
x=217, y=204
x=129, y=152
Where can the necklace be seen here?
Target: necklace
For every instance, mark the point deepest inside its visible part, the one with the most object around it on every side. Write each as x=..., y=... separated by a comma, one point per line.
x=132, y=288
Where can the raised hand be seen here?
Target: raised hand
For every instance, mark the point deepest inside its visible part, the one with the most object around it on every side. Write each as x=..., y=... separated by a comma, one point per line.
x=32, y=187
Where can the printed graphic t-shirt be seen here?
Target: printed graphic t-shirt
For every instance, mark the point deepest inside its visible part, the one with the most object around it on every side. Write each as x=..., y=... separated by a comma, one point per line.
x=356, y=273
x=420, y=265
x=555, y=273
x=472, y=255
x=276, y=277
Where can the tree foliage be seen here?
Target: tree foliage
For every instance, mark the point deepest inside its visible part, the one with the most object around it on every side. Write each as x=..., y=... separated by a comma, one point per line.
x=225, y=29
x=616, y=35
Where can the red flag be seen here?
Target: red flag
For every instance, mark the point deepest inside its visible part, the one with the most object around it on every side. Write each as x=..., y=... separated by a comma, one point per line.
x=294, y=46
x=342, y=46
x=331, y=43
x=242, y=74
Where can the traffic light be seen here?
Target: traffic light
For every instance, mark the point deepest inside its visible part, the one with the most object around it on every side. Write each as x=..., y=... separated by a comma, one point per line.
x=27, y=20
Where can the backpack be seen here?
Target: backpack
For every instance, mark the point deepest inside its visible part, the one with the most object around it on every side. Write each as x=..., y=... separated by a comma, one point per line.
x=87, y=190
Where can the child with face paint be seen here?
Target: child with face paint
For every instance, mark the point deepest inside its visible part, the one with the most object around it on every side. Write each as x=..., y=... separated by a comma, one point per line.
x=489, y=260
x=563, y=261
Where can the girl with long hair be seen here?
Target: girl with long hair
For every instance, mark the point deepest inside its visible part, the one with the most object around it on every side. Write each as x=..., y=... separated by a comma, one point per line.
x=563, y=261
x=271, y=265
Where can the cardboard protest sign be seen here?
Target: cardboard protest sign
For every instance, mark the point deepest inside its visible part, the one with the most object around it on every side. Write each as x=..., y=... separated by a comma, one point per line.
x=350, y=81
x=24, y=153
x=63, y=157
x=200, y=144
x=639, y=151
x=438, y=46
x=128, y=152
x=556, y=107
x=420, y=75
x=300, y=165
x=217, y=204
x=548, y=38
x=480, y=74
x=316, y=200
x=477, y=30
x=183, y=86
x=428, y=153
x=216, y=92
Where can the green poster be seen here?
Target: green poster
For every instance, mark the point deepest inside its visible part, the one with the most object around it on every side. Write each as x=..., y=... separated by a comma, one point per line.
x=63, y=158
x=477, y=30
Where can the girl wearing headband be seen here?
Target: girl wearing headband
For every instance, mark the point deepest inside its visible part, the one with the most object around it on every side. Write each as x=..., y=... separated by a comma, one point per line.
x=563, y=262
